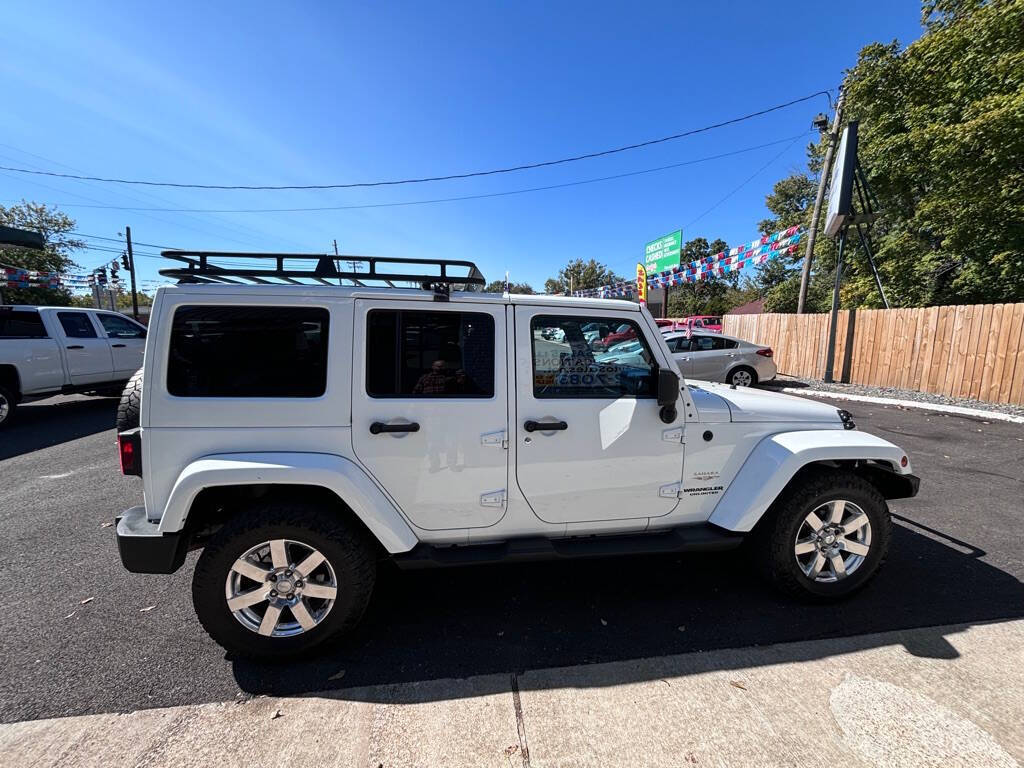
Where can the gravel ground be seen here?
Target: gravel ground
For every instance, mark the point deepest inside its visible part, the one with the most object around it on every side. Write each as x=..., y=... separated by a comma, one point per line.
x=898, y=394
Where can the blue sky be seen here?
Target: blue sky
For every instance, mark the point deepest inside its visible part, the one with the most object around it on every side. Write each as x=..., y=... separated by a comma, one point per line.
x=276, y=93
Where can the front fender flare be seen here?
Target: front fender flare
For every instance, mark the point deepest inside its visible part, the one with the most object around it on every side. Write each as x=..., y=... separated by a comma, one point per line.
x=777, y=458
x=336, y=473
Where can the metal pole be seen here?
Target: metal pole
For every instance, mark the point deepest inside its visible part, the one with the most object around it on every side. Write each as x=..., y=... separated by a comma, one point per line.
x=131, y=272
x=830, y=356
x=874, y=270
x=812, y=232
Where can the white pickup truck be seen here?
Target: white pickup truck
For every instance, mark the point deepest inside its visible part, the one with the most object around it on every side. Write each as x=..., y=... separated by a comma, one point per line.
x=58, y=350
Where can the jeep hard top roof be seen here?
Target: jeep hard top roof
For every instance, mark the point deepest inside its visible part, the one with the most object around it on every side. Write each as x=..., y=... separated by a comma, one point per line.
x=227, y=272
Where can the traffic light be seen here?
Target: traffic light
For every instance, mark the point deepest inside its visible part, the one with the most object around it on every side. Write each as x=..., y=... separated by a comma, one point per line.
x=124, y=261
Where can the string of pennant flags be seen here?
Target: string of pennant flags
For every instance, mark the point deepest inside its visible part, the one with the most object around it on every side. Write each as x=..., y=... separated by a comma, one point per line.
x=783, y=242
x=14, y=277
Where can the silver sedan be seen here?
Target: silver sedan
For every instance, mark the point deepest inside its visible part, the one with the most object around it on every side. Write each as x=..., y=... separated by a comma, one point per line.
x=714, y=357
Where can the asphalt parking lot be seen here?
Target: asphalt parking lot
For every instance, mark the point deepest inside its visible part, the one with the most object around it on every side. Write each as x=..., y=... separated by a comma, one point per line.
x=84, y=636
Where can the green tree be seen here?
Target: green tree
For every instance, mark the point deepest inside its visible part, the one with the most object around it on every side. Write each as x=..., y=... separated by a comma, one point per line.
x=579, y=275
x=56, y=255
x=498, y=286
x=711, y=296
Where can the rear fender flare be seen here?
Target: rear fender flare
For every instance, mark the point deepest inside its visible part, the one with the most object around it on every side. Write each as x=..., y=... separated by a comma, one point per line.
x=336, y=473
x=777, y=459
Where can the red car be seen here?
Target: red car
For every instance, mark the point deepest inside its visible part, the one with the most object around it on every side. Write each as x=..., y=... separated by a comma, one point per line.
x=711, y=323
x=624, y=332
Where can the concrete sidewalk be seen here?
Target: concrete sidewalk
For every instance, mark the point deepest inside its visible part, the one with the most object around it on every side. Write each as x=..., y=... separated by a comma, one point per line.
x=949, y=696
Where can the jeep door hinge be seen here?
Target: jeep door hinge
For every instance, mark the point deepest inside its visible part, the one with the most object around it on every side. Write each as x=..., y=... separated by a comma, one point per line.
x=674, y=435
x=670, y=491
x=497, y=439
x=493, y=499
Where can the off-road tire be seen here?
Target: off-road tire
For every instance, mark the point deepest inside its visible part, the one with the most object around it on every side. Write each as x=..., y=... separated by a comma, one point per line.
x=345, y=547
x=748, y=369
x=8, y=398
x=131, y=403
x=774, y=540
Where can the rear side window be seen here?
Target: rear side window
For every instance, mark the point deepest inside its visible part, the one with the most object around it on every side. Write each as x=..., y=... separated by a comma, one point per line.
x=232, y=351
x=19, y=324
x=76, y=325
x=429, y=354
x=707, y=343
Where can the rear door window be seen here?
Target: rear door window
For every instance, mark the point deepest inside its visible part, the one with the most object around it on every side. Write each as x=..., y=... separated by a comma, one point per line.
x=76, y=325
x=412, y=353
x=21, y=324
x=243, y=351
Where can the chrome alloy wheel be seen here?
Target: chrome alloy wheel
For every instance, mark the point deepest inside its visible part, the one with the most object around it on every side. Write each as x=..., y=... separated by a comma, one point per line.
x=5, y=408
x=832, y=541
x=281, y=588
x=741, y=378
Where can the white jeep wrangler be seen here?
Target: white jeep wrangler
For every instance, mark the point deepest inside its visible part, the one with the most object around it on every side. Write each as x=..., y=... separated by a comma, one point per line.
x=300, y=431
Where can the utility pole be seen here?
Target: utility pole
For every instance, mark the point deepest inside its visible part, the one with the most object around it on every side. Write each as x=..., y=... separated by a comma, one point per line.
x=131, y=272
x=830, y=354
x=812, y=232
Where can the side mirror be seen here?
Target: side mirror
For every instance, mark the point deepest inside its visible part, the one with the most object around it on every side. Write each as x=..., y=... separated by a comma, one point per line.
x=668, y=394
x=668, y=387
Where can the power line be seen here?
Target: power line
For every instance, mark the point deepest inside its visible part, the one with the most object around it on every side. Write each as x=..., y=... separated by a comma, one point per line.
x=120, y=240
x=753, y=176
x=423, y=180
x=448, y=199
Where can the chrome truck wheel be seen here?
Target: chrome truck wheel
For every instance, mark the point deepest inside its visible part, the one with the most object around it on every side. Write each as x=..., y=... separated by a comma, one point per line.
x=833, y=541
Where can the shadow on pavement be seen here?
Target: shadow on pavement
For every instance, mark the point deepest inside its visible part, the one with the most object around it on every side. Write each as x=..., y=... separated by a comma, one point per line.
x=432, y=625
x=46, y=423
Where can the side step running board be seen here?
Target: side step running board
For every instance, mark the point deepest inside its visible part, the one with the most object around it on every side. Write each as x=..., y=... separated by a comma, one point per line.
x=702, y=537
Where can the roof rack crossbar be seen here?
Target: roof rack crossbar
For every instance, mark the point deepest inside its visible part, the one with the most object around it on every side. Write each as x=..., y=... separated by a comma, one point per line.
x=197, y=267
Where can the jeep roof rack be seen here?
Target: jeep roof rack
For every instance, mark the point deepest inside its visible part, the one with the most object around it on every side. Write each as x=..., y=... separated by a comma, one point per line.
x=309, y=268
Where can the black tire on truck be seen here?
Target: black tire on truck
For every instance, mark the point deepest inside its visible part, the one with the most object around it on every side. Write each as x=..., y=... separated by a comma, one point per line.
x=131, y=403
x=266, y=604
x=8, y=402
x=825, y=536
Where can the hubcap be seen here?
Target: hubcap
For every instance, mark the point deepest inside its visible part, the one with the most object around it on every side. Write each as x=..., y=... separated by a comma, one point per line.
x=281, y=588
x=742, y=379
x=4, y=408
x=832, y=541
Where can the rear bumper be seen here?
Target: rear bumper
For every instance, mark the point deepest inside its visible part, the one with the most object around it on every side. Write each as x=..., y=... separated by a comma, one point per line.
x=144, y=549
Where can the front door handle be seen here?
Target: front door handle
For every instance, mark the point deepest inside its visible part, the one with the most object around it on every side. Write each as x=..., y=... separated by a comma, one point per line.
x=377, y=427
x=118, y=346
x=76, y=346
x=545, y=426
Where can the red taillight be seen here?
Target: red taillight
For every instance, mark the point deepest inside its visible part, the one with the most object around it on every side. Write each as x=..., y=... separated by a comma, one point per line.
x=765, y=352
x=129, y=452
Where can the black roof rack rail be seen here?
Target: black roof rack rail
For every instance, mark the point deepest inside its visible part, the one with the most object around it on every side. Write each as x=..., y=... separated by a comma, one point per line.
x=217, y=267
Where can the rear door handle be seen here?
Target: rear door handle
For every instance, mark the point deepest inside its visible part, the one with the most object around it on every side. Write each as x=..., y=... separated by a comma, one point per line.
x=545, y=426
x=377, y=427
x=76, y=346
x=118, y=346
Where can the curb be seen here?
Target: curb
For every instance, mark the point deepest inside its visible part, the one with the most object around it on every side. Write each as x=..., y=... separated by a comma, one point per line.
x=957, y=410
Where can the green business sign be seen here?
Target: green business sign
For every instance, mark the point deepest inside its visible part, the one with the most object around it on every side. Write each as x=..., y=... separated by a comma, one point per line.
x=663, y=253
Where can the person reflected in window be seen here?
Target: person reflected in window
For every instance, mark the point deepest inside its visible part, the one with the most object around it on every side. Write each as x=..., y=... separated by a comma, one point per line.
x=434, y=381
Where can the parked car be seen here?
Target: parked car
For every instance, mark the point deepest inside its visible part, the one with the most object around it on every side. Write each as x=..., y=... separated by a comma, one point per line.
x=622, y=332
x=52, y=350
x=711, y=323
x=714, y=357
x=301, y=434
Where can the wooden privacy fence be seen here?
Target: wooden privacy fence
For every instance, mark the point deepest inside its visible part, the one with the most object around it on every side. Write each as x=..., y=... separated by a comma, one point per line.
x=974, y=351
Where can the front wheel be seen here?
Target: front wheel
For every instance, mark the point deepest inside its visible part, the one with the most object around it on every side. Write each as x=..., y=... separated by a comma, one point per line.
x=7, y=405
x=281, y=579
x=827, y=537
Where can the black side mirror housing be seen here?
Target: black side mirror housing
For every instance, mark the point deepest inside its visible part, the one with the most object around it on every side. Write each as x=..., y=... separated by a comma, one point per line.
x=668, y=387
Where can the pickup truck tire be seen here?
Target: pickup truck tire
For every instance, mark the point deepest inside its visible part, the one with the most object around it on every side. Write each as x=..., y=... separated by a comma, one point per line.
x=303, y=533
x=8, y=402
x=826, y=536
x=131, y=403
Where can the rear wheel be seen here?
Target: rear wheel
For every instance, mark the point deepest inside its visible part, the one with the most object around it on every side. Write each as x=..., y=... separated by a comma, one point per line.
x=827, y=537
x=742, y=376
x=7, y=405
x=283, y=579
